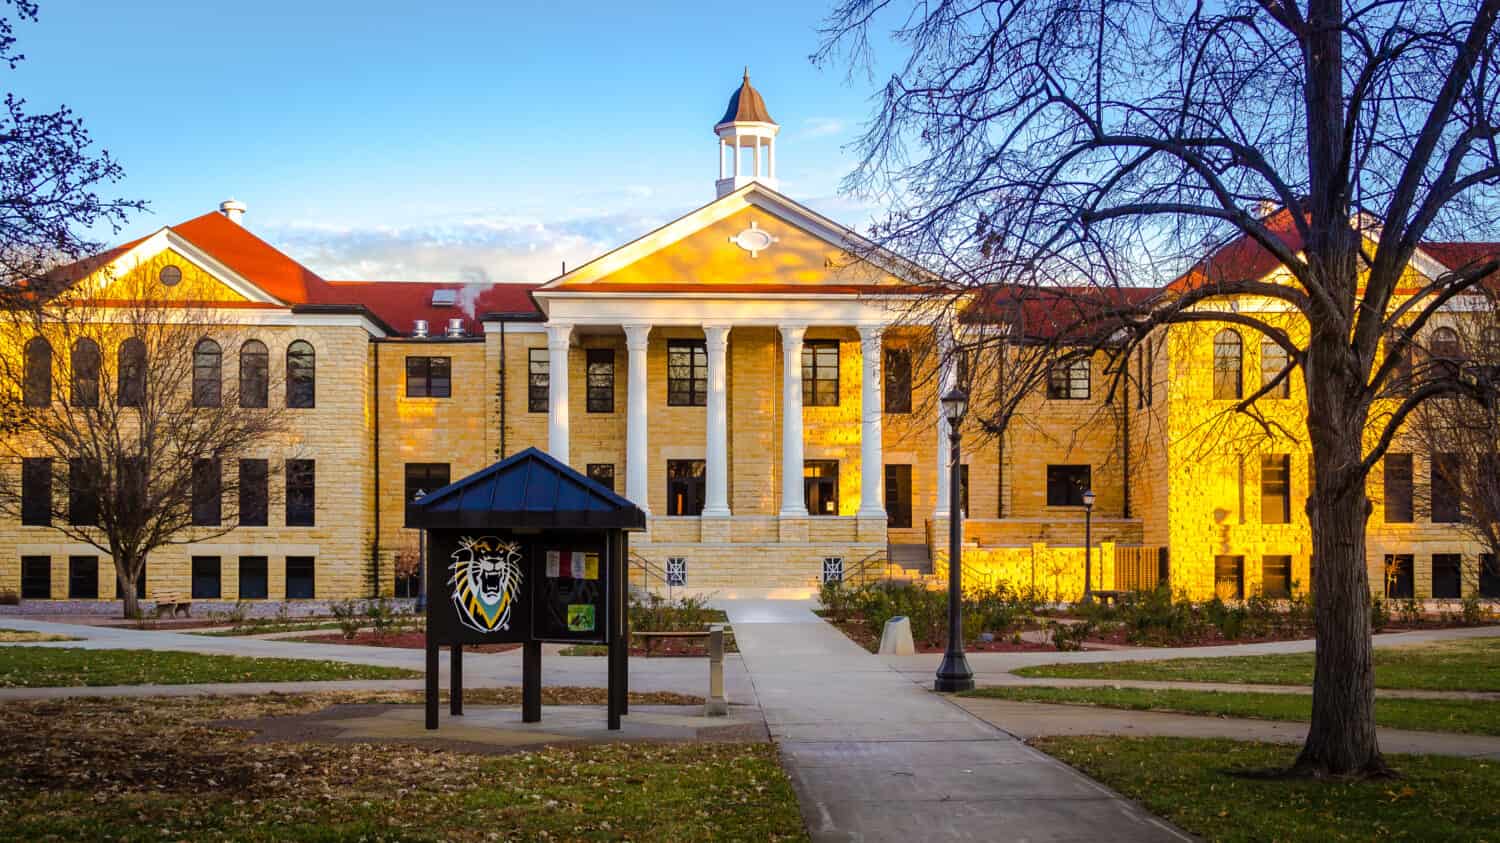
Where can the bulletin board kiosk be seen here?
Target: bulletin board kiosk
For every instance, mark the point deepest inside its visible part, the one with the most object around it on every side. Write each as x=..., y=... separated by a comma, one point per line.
x=527, y=551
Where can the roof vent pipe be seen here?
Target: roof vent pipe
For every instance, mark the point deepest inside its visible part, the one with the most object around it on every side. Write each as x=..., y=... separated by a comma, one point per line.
x=234, y=209
x=455, y=327
x=419, y=327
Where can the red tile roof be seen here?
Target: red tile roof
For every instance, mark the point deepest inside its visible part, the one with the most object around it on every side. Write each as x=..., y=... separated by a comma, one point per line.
x=1055, y=312
x=400, y=303
x=1242, y=258
x=1455, y=255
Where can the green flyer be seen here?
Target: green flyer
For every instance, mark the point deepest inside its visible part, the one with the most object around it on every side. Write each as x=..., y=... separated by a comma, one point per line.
x=581, y=617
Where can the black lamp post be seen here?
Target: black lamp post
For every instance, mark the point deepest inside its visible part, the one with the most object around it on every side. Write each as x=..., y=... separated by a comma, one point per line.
x=1088, y=546
x=954, y=673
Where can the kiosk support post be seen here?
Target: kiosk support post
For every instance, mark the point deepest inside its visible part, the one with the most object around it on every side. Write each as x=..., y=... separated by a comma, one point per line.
x=456, y=680
x=531, y=682
x=623, y=580
x=614, y=696
x=432, y=685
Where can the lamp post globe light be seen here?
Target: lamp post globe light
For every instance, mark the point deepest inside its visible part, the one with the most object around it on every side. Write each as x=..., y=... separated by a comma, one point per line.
x=954, y=673
x=1088, y=545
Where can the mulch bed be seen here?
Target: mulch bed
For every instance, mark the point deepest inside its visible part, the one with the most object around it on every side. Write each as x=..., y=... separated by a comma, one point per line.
x=414, y=640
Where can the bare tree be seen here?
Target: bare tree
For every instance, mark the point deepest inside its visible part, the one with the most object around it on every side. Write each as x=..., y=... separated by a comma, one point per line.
x=1109, y=143
x=50, y=178
x=120, y=417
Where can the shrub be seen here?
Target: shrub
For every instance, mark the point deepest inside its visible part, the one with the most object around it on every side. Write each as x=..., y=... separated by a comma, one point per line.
x=1157, y=617
x=1070, y=636
x=1471, y=610
x=1410, y=612
x=382, y=615
x=1380, y=613
x=1229, y=620
x=347, y=613
x=656, y=613
x=838, y=599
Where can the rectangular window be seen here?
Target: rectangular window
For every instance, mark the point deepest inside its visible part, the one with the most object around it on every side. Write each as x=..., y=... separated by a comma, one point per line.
x=601, y=380
x=602, y=473
x=207, y=584
x=820, y=486
x=897, y=380
x=1068, y=380
x=429, y=377
x=301, y=493
x=1276, y=577
x=300, y=578
x=1400, y=578
x=676, y=571
x=820, y=373
x=83, y=492
x=1229, y=577
x=898, y=496
x=36, y=492
x=1066, y=484
x=207, y=496
x=36, y=577
x=254, y=582
x=963, y=489
x=1275, y=488
x=425, y=477
x=1446, y=487
x=1489, y=576
x=685, y=487
x=1398, y=489
x=833, y=569
x=83, y=577
x=538, y=379
x=687, y=373
x=1447, y=576
x=254, y=493
x=130, y=483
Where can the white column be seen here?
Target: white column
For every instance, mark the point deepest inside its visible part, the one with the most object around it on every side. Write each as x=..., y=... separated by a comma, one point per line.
x=757, y=157
x=635, y=415
x=946, y=378
x=871, y=456
x=716, y=499
x=557, y=391
x=721, y=158
x=771, y=157
x=793, y=500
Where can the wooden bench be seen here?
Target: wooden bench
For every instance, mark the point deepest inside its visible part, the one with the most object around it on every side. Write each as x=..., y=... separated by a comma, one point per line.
x=1109, y=597
x=173, y=603
x=650, y=637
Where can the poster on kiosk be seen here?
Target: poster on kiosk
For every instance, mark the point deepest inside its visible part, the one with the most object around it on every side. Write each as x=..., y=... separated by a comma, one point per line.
x=499, y=587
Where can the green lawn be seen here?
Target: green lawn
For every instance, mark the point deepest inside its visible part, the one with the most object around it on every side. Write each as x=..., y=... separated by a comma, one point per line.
x=138, y=770
x=48, y=667
x=1475, y=717
x=12, y=636
x=1471, y=664
x=1198, y=784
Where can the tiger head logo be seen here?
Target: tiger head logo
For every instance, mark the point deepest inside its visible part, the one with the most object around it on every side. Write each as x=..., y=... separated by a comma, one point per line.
x=485, y=582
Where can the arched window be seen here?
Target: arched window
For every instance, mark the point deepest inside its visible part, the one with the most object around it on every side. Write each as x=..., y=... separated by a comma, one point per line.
x=1447, y=353
x=301, y=375
x=132, y=372
x=38, y=386
x=208, y=373
x=255, y=374
x=1229, y=382
x=1273, y=361
x=84, y=362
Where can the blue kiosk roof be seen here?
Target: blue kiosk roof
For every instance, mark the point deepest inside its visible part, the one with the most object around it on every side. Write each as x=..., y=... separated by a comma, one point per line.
x=527, y=490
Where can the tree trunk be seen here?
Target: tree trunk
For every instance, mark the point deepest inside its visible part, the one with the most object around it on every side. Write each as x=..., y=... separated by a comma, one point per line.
x=1341, y=739
x=127, y=573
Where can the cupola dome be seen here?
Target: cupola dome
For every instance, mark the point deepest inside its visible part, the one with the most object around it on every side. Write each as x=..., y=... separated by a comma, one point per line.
x=747, y=141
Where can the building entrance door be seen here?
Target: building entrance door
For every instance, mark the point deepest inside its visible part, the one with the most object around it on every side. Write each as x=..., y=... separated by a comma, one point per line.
x=898, y=496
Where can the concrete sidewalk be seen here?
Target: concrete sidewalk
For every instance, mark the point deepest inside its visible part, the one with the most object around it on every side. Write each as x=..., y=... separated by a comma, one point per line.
x=875, y=757
x=1033, y=720
x=1010, y=680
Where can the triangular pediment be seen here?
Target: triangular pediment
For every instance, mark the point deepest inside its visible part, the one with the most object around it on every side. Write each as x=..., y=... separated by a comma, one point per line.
x=749, y=241
x=169, y=268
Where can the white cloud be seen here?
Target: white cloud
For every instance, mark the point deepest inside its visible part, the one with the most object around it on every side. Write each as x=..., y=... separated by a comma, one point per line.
x=822, y=127
x=472, y=248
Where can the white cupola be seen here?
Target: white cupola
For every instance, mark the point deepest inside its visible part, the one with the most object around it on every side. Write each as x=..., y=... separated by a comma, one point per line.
x=747, y=141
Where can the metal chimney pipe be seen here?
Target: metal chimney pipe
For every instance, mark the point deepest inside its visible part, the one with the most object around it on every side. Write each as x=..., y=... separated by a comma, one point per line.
x=455, y=327
x=419, y=328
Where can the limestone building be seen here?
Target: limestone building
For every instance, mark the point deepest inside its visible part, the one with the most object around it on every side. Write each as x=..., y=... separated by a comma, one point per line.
x=750, y=375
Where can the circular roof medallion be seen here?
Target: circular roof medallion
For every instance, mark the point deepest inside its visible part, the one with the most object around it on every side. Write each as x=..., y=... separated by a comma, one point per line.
x=753, y=239
x=170, y=275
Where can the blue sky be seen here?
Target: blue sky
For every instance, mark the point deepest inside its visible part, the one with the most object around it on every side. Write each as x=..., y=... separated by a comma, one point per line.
x=442, y=140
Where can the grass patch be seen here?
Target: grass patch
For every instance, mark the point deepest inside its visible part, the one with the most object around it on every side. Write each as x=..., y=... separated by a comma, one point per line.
x=1471, y=664
x=269, y=628
x=21, y=636
x=1473, y=717
x=49, y=667
x=139, y=770
x=1199, y=784
x=585, y=650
